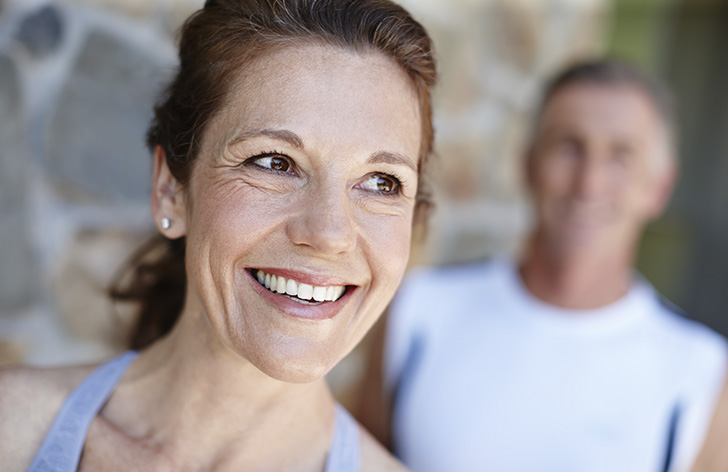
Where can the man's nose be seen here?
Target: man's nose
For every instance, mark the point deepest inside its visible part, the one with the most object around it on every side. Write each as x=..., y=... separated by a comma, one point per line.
x=324, y=223
x=591, y=177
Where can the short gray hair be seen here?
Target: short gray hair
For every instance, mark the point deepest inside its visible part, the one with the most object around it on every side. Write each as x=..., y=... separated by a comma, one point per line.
x=616, y=73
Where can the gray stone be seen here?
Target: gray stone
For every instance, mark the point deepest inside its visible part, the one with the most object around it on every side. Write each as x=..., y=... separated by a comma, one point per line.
x=41, y=31
x=97, y=131
x=18, y=267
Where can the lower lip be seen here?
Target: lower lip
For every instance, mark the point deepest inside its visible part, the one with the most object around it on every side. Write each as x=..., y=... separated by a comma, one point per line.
x=323, y=311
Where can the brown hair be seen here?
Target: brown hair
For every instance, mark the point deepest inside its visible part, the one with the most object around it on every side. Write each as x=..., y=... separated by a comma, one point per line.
x=217, y=43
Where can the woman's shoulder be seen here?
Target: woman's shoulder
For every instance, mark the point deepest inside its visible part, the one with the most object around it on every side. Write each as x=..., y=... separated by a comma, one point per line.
x=30, y=398
x=375, y=458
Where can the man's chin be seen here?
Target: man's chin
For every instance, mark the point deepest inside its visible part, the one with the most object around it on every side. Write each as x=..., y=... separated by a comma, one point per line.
x=581, y=237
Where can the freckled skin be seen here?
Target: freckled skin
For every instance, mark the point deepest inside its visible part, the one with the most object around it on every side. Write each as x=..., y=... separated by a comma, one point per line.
x=238, y=383
x=325, y=217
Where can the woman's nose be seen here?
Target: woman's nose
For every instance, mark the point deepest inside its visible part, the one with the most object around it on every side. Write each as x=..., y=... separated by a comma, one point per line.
x=324, y=223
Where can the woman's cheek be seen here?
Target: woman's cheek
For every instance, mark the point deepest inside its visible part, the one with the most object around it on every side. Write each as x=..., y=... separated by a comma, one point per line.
x=392, y=239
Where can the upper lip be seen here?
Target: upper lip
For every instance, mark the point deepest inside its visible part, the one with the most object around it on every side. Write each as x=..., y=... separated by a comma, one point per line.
x=309, y=278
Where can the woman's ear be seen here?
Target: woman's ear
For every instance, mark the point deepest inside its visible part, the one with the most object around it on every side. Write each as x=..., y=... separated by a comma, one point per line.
x=168, y=200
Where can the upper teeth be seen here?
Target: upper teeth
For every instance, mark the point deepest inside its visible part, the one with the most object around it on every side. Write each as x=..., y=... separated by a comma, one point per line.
x=279, y=284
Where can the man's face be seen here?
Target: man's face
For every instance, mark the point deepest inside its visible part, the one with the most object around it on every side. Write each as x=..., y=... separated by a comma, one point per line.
x=598, y=169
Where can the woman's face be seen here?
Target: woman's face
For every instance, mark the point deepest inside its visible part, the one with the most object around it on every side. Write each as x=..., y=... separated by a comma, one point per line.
x=305, y=183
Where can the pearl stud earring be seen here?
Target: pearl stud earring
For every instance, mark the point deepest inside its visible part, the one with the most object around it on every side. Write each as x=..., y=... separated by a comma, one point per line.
x=166, y=223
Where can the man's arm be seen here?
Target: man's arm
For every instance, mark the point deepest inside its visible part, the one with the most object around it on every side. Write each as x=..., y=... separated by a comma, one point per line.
x=713, y=456
x=373, y=408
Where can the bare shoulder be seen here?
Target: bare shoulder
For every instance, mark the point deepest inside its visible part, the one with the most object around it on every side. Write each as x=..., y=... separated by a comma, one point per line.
x=375, y=458
x=30, y=398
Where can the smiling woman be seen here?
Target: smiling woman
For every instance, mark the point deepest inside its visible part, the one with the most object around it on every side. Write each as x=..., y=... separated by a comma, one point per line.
x=301, y=202
x=287, y=160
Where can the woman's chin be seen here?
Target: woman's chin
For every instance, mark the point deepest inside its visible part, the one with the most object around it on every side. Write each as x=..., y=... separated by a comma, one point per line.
x=296, y=371
x=294, y=367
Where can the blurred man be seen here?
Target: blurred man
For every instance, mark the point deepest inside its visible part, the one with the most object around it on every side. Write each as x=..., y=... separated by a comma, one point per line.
x=568, y=361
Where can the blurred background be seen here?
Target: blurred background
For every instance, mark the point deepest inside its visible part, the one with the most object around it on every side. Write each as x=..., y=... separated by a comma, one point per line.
x=78, y=79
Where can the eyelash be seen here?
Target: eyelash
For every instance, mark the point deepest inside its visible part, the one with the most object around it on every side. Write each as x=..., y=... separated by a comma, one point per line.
x=251, y=162
x=397, y=190
x=397, y=180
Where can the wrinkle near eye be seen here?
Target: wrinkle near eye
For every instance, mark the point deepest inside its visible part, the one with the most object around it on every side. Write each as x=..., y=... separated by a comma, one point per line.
x=385, y=207
x=274, y=186
x=227, y=159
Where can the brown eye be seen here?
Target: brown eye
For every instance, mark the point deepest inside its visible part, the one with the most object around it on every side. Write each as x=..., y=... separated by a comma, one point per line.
x=381, y=183
x=279, y=164
x=385, y=185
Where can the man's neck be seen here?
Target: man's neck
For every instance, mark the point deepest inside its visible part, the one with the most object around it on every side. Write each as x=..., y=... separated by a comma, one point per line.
x=578, y=279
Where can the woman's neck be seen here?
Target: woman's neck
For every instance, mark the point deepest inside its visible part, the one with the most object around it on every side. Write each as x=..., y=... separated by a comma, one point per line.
x=202, y=402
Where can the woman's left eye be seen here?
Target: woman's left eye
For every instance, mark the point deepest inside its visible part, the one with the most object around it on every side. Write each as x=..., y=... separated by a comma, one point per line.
x=381, y=183
x=274, y=163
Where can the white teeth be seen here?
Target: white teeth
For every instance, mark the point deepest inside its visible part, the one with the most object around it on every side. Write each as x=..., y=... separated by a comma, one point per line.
x=305, y=291
x=291, y=287
x=319, y=294
x=296, y=289
x=334, y=293
x=281, y=285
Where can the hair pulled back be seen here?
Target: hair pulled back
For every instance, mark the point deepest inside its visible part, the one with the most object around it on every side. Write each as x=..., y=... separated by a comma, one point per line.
x=216, y=45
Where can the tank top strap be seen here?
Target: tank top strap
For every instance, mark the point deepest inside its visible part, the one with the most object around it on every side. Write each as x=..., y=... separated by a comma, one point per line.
x=344, y=455
x=61, y=450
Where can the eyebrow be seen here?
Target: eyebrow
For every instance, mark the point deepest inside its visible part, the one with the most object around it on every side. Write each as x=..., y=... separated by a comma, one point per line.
x=379, y=157
x=277, y=134
x=393, y=158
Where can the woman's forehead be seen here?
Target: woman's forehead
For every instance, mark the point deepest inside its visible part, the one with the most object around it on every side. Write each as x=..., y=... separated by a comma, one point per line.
x=313, y=89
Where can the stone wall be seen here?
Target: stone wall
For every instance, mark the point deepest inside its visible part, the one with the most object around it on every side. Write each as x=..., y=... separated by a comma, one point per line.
x=77, y=81
x=494, y=55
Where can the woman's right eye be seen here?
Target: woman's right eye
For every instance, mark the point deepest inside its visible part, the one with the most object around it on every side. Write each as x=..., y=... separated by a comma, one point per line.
x=273, y=163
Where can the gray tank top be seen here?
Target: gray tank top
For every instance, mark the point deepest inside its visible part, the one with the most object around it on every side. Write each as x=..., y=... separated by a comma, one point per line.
x=62, y=447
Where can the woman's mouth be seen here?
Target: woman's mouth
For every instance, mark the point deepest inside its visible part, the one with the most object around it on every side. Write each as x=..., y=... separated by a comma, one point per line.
x=298, y=291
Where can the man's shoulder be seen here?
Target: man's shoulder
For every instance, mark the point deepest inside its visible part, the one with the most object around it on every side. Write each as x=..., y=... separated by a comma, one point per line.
x=30, y=398
x=460, y=277
x=674, y=318
x=687, y=334
x=432, y=299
